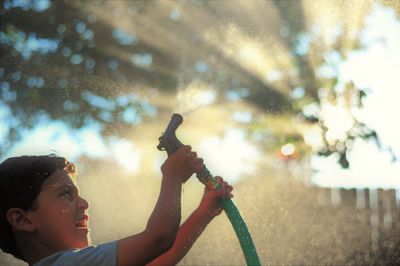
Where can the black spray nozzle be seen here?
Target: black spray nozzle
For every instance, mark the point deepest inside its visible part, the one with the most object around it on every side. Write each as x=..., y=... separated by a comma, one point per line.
x=170, y=143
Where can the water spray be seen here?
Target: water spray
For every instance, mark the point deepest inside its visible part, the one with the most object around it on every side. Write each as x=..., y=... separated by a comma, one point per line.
x=170, y=143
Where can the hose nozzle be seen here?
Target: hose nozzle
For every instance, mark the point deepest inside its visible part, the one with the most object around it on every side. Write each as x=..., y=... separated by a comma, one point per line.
x=170, y=143
x=168, y=140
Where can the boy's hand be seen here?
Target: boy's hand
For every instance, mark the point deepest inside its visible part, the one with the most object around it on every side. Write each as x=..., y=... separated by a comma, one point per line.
x=182, y=164
x=210, y=203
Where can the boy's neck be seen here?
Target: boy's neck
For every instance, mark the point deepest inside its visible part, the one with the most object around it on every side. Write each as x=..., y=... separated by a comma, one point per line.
x=32, y=250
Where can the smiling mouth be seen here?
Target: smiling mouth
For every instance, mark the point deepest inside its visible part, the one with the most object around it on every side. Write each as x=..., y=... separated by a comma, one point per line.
x=82, y=224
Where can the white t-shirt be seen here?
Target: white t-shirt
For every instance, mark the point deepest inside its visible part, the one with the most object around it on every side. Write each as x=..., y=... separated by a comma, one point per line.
x=101, y=255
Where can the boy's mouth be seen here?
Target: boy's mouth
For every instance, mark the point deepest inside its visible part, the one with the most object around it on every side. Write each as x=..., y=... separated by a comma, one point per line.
x=82, y=223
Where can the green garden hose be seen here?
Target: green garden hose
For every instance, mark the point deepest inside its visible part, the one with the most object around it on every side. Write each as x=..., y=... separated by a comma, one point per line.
x=170, y=143
x=240, y=227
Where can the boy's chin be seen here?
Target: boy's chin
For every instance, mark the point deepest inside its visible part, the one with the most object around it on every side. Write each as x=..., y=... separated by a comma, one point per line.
x=88, y=241
x=84, y=242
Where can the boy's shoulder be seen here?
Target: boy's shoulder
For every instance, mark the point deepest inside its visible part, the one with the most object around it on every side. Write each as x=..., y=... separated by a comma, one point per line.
x=101, y=255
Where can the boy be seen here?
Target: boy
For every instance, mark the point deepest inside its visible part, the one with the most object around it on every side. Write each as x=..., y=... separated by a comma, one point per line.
x=44, y=221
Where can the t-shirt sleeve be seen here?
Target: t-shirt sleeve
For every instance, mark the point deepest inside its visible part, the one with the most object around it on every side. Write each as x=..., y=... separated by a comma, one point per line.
x=101, y=255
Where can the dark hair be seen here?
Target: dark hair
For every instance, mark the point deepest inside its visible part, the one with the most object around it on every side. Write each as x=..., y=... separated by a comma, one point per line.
x=21, y=179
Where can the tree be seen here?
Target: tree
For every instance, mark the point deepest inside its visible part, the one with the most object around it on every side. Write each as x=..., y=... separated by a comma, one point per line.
x=116, y=63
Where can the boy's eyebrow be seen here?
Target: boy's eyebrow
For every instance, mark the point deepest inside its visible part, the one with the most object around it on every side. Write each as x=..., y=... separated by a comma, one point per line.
x=66, y=185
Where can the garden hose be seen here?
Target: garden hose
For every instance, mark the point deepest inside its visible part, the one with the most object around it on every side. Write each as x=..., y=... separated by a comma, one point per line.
x=170, y=143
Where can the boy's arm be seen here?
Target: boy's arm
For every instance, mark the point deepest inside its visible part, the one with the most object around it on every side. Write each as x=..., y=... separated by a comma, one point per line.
x=164, y=221
x=192, y=228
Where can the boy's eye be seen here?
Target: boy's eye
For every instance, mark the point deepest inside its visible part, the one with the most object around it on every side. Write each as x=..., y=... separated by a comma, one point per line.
x=66, y=192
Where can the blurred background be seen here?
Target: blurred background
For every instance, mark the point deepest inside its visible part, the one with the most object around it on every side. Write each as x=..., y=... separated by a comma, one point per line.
x=293, y=102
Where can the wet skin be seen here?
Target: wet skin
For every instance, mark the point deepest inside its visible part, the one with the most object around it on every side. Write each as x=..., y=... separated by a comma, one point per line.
x=60, y=215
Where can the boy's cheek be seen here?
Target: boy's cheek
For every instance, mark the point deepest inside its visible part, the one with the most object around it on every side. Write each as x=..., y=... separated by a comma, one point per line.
x=65, y=211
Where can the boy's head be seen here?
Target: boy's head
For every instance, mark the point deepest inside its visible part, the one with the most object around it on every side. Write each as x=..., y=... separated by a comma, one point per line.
x=40, y=204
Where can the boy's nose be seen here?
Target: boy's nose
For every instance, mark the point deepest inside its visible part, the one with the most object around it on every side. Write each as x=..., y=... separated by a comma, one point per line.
x=83, y=204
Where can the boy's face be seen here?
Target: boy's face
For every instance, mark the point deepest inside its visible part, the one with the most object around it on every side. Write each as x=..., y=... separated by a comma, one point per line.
x=61, y=219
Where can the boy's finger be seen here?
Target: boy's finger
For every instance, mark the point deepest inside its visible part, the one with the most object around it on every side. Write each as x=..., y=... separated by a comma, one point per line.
x=191, y=155
x=219, y=179
x=193, y=162
x=225, y=185
x=183, y=151
x=228, y=189
x=186, y=149
x=198, y=168
x=223, y=193
x=198, y=161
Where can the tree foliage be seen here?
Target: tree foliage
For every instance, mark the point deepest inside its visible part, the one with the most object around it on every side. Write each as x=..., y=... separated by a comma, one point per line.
x=106, y=62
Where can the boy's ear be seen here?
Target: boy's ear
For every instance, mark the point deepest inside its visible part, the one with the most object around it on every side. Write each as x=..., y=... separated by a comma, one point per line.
x=19, y=219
